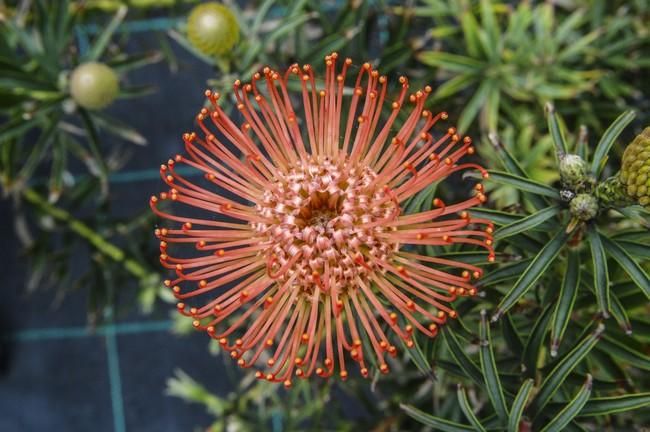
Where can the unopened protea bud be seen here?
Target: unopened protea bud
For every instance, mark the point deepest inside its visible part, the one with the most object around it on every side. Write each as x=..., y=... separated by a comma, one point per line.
x=584, y=207
x=635, y=169
x=212, y=28
x=94, y=85
x=573, y=171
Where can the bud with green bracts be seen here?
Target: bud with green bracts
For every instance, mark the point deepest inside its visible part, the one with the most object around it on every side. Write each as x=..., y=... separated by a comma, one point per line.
x=584, y=207
x=573, y=171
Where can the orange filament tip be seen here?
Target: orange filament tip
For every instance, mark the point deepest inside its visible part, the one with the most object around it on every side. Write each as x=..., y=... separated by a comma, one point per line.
x=196, y=324
x=384, y=368
x=287, y=384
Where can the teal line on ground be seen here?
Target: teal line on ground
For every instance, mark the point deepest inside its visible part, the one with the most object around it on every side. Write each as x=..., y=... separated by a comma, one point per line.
x=81, y=332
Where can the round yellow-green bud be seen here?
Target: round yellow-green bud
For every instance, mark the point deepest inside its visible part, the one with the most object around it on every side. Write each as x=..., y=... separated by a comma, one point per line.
x=635, y=169
x=212, y=28
x=93, y=85
x=584, y=207
x=573, y=171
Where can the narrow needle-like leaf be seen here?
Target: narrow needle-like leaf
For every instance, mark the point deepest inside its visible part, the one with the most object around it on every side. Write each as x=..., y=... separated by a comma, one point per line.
x=490, y=371
x=573, y=408
x=532, y=274
x=518, y=405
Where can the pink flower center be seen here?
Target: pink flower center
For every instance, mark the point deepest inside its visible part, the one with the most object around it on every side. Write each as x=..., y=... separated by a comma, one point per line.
x=327, y=217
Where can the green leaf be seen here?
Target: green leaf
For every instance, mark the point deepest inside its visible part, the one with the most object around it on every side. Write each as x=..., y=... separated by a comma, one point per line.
x=474, y=105
x=610, y=405
x=534, y=271
x=566, y=301
x=620, y=314
x=470, y=33
x=420, y=360
x=601, y=275
x=608, y=139
x=415, y=204
x=511, y=335
x=564, y=417
x=496, y=216
x=528, y=223
x=631, y=267
x=518, y=405
x=17, y=127
x=518, y=182
x=465, y=363
x=621, y=348
x=104, y=38
x=535, y=342
x=39, y=150
x=635, y=249
x=562, y=369
x=556, y=131
x=467, y=409
x=434, y=422
x=454, y=85
x=490, y=371
x=450, y=62
x=491, y=29
x=504, y=273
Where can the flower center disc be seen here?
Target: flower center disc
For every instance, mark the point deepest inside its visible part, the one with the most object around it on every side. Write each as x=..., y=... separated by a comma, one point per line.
x=327, y=224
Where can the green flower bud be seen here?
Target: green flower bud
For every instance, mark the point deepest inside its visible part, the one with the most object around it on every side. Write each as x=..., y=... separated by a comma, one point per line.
x=635, y=169
x=573, y=171
x=93, y=85
x=212, y=28
x=584, y=207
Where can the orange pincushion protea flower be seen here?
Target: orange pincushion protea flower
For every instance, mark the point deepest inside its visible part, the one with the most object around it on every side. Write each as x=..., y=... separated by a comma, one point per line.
x=298, y=237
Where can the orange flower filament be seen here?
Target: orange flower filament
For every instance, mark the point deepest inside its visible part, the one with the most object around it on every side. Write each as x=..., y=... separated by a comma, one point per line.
x=297, y=229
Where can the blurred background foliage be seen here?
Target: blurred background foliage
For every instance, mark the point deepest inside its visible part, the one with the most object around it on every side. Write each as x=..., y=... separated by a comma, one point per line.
x=559, y=339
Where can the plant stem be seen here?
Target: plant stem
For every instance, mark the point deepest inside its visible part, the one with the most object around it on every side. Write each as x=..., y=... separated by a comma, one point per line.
x=96, y=240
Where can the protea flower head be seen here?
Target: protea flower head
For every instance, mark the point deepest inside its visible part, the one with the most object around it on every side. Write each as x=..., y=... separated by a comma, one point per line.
x=293, y=248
